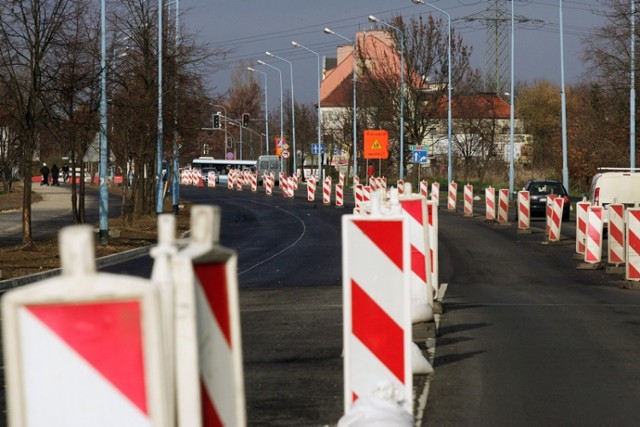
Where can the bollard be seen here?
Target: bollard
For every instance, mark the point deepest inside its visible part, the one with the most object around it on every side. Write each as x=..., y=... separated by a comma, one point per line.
x=400, y=186
x=326, y=191
x=555, y=224
x=339, y=196
x=503, y=206
x=311, y=189
x=468, y=200
x=211, y=179
x=424, y=188
x=616, y=245
x=435, y=192
x=490, y=203
x=254, y=182
x=358, y=195
x=524, y=211
x=632, y=267
x=581, y=226
x=593, y=247
x=549, y=212
x=452, y=196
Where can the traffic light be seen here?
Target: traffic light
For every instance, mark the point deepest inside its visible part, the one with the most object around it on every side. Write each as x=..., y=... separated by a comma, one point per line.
x=245, y=120
x=216, y=121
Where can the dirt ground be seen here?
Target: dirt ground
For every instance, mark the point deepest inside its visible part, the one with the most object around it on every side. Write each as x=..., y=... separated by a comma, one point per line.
x=16, y=261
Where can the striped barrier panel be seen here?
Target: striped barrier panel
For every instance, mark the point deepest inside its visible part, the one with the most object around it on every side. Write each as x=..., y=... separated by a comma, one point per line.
x=211, y=179
x=615, y=242
x=593, y=246
x=211, y=390
x=185, y=178
x=311, y=189
x=452, y=196
x=376, y=297
x=296, y=180
x=432, y=230
x=231, y=179
x=632, y=267
x=490, y=203
x=400, y=186
x=358, y=195
x=524, y=210
x=326, y=191
x=424, y=188
x=339, y=195
x=84, y=348
x=581, y=226
x=468, y=200
x=435, y=192
x=268, y=185
x=549, y=213
x=254, y=182
x=356, y=180
x=366, y=194
x=341, y=179
x=373, y=183
x=503, y=206
x=555, y=225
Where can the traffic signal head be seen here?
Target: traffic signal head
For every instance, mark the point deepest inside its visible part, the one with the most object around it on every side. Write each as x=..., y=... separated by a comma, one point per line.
x=245, y=120
x=216, y=121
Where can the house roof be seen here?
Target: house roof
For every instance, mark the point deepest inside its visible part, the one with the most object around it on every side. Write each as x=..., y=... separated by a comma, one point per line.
x=482, y=105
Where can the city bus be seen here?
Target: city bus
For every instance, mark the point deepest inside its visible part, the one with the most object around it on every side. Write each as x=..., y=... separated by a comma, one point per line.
x=221, y=167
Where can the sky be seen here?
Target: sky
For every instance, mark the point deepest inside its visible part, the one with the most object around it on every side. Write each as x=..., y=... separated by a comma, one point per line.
x=251, y=27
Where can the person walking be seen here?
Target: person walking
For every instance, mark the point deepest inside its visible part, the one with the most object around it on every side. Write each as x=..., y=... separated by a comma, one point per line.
x=55, y=173
x=44, y=171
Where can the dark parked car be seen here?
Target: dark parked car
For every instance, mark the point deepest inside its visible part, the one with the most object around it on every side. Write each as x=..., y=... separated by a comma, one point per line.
x=539, y=191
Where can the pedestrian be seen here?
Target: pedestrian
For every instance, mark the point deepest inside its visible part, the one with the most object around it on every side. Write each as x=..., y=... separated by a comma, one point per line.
x=44, y=171
x=65, y=173
x=54, y=174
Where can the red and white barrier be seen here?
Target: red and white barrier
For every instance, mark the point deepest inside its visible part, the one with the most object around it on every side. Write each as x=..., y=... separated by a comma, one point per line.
x=524, y=210
x=326, y=191
x=254, y=182
x=268, y=185
x=503, y=206
x=311, y=189
x=358, y=195
x=376, y=296
x=356, y=180
x=549, y=213
x=341, y=179
x=211, y=179
x=231, y=179
x=593, y=248
x=432, y=220
x=468, y=200
x=632, y=267
x=555, y=225
x=452, y=196
x=435, y=192
x=400, y=186
x=339, y=195
x=84, y=348
x=490, y=203
x=616, y=245
x=208, y=274
x=581, y=226
x=366, y=194
x=424, y=188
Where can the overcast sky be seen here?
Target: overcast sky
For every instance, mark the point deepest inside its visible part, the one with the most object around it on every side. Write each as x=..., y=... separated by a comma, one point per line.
x=251, y=27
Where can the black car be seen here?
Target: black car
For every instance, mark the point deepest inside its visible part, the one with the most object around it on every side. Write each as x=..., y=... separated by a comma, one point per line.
x=539, y=191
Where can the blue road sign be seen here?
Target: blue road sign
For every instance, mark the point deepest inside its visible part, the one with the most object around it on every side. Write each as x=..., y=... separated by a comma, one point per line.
x=314, y=148
x=419, y=156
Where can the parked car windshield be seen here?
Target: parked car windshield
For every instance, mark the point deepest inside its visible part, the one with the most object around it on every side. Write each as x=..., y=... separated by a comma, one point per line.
x=539, y=188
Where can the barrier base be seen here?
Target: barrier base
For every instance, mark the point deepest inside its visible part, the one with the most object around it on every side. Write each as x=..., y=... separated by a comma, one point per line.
x=527, y=231
x=578, y=257
x=442, y=289
x=421, y=332
x=615, y=269
x=590, y=266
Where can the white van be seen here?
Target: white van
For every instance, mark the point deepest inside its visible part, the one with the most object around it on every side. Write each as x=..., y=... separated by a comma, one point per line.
x=614, y=185
x=268, y=164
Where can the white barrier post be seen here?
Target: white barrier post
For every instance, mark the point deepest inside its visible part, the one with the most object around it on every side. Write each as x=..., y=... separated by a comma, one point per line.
x=424, y=188
x=452, y=196
x=208, y=273
x=490, y=203
x=339, y=195
x=555, y=225
x=632, y=267
x=311, y=189
x=254, y=182
x=593, y=248
x=376, y=296
x=268, y=185
x=435, y=192
x=615, y=245
x=524, y=211
x=358, y=196
x=341, y=179
x=468, y=200
x=503, y=206
x=211, y=179
x=581, y=226
x=84, y=348
x=326, y=191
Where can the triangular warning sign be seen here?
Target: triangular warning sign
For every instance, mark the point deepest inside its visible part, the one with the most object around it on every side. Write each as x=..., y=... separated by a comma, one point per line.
x=376, y=145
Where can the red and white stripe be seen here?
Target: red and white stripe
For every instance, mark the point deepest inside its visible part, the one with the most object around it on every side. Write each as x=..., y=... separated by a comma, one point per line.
x=424, y=188
x=503, y=206
x=366, y=194
x=616, y=247
x=632, y=267
x=377, y=323
x=432, y=220
x=490, y=203
x=326, y=191
x=341, y=179
x=549, y=213
x=219, y=343
x=581, y=226
x=231, y=179
x=311, y=189
x=468, y=200
x=555, y=225
x=400, y=186
x=524, y=210
x=452, y=196
x=435, y=192
x=593, y=248
x=254, y=182
x=339, y=195
x=356, y=180
x=358, y=195
x=268, y=185
x=211, y=179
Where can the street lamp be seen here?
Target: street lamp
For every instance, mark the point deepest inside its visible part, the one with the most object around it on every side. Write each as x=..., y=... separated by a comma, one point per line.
x=293, y=112
x=296, y=44
x=354, y=77
x=280, y=74
x=103, y=210
x=266, y=108
x=565, y=166
x=374, y=19
x=160, y=139
x=449, y=120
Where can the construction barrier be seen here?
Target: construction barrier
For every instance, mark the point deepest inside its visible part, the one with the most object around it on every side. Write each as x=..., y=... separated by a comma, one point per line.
x=376, y=297
x=84, y=348
x=503, y=206
x=452, y=196
x=490, y=203
x=400, y=186
x=593, y=247
x=339, y=195
x=615, y=242
x=207, y=273
x=549, y=212
x=468, y=200
x=435, y=192
x=341, y=179
x=326, y=191
x=358, y=195
x=555, y=225
x=211, y=179
x=432, y=221
x=254, y=182
x=581, y=225
x=311, y=189
x=366, y=194
x=356, y=180
x=632, y=267
x=268, y=185
x=231, y=179
x=524, y=210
